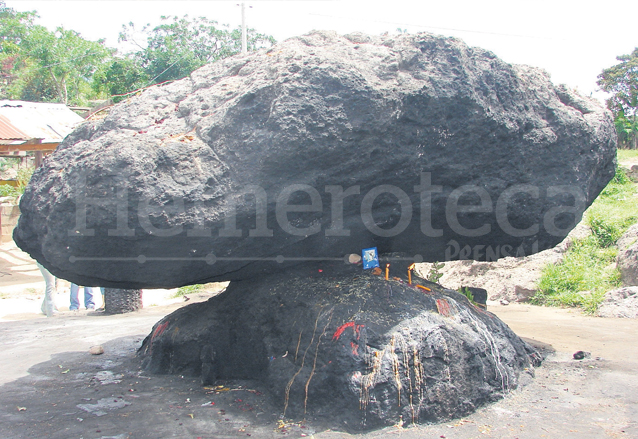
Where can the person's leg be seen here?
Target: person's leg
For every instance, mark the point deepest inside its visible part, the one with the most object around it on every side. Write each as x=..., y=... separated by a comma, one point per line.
x=88, y=298
x=48, y=303
x=101, y=308
x=75, y=302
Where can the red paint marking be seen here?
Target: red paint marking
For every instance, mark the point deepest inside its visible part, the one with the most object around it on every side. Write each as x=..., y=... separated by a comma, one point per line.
x=340, y=330
x=481, y=310
x=159, y=330
x=443, y=307
x=355, y=348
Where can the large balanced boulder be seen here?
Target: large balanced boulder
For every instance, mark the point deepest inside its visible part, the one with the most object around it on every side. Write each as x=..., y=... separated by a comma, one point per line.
x=331, y=341
x=314, y=149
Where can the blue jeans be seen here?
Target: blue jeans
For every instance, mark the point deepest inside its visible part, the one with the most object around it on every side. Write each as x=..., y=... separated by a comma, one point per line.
x=88, y=297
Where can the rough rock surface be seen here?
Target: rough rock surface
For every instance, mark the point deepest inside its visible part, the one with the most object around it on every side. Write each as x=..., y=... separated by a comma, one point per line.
x=238, y=170
x=627, y=260
x=96, y=350
x=511, y=278
x=622, y=302
x=119, y=301
x=631, y=170
x=331, y=340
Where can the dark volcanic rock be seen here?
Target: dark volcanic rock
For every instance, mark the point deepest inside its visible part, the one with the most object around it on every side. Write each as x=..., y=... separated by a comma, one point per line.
x=120, y=301
x=332, y=341
x=316, y=148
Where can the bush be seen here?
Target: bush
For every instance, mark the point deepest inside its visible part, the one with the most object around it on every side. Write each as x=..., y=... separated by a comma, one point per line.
x=24, y=176
x=605, y=230
x=6, y=190
x=620, y=177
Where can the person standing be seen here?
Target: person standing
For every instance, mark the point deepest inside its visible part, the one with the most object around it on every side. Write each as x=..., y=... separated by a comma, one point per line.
x=88, y=298
x=103, y=307
x=48, y=303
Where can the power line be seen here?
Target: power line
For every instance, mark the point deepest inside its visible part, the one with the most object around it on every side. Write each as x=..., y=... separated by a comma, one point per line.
x=435, y=27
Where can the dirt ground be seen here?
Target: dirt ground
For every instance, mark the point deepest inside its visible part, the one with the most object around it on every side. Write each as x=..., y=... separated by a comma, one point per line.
x=52, y=387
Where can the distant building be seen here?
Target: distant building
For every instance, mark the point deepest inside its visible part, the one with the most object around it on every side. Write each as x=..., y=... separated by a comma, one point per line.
x=34, y=126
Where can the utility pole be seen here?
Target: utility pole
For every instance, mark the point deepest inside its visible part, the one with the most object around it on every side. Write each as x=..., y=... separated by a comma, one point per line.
x=244, y=42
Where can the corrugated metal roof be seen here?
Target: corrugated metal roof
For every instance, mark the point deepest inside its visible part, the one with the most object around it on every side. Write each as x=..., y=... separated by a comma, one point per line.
x=40, y=120
x=8, y=132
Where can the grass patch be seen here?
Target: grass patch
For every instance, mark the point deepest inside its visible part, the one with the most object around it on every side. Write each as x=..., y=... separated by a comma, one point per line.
x=624, y=154
x=614, y=211
x=188, y=289
x=588, y=269
x=581, y=279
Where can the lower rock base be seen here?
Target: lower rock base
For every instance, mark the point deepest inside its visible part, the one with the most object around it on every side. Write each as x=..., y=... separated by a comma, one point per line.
x=331, y=340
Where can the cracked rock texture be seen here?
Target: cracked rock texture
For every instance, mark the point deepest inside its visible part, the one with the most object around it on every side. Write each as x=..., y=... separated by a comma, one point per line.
x=331, y=341
x=621, y=302
x=317, y=148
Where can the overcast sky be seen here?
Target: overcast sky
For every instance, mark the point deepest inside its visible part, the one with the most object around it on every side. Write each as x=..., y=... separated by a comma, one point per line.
x=572, y=40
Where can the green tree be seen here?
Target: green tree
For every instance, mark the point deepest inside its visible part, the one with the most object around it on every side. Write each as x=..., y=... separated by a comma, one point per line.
x=61, y=66
x=67, y=60
x=621, y=81
x=180, y=45
x=39, y=65
x=14, y=27
x=119, y=77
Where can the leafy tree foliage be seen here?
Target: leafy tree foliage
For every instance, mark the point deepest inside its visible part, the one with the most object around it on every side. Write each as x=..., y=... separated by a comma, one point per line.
x=621, y=81
x=14, y=27
x=60, y=66
x=180, y=45
x=119, y=77
x=67, y=60
x=40, y=65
